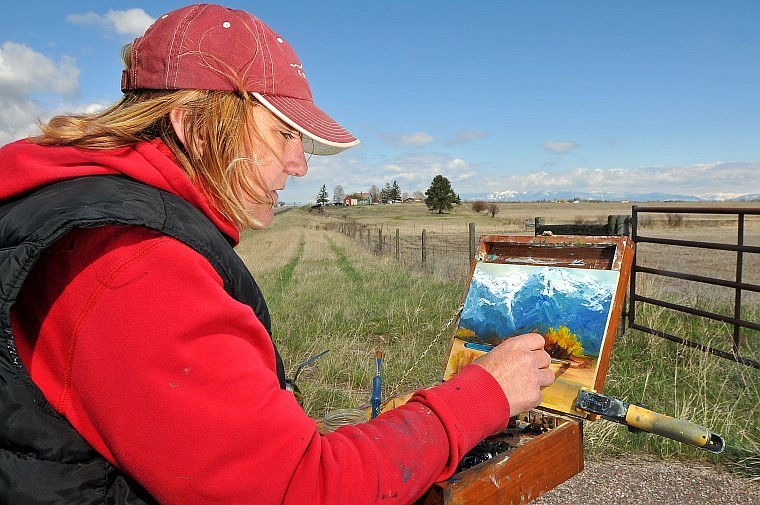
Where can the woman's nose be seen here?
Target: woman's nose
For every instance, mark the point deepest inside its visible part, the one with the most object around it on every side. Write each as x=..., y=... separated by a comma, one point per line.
x=296, y=165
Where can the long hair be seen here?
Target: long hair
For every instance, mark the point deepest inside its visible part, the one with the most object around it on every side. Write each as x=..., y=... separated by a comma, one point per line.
x=221, y=138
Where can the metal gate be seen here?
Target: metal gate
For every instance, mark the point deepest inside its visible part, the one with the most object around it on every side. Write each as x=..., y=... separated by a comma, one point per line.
x=744, y=292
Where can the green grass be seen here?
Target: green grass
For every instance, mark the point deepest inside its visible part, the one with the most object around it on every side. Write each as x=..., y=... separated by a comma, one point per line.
x=344, y=264
x=327, y=291
x=329, y=295
x=286, y=274
x=688, y=384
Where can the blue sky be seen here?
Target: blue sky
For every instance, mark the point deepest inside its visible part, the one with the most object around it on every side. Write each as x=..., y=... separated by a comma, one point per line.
x=496, y=95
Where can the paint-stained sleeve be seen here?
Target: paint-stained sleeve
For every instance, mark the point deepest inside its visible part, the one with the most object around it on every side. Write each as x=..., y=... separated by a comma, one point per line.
x=397, y=456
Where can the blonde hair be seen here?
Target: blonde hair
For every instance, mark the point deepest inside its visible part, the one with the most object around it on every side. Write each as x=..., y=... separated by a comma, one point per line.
x=220, y=134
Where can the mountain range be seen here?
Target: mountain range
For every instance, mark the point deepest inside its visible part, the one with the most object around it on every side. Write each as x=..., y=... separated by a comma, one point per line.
x=604, y=196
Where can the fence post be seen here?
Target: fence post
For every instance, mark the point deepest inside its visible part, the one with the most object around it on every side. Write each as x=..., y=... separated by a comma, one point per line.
x=472, y=243
x=380, y=241
x=539, y=223
x=398, y=249
x=738, y=292
x=623, y=225
x=612, y=224
x=424, y=245
x=632, y=279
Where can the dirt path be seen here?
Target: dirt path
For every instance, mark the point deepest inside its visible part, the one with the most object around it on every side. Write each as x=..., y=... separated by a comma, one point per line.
x=641, y=482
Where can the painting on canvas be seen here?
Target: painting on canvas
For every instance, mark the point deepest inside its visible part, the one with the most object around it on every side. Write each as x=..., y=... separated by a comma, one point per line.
x=570, y=307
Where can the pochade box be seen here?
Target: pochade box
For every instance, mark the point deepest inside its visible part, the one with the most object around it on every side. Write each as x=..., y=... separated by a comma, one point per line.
x=570, y=289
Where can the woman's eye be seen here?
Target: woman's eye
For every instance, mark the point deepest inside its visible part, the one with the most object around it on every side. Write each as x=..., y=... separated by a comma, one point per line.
x=288, y=135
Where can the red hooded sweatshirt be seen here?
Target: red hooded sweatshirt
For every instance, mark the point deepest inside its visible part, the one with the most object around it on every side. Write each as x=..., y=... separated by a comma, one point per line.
x=131, y=336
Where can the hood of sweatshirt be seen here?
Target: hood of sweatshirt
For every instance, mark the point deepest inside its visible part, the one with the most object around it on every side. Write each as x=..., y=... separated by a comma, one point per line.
x=25, y=166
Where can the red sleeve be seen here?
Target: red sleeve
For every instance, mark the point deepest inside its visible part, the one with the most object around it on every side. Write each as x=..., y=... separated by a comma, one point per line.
x=174, y=382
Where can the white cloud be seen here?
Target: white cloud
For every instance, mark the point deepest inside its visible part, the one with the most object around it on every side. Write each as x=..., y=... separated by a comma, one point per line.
x=130, y=23
x=412, y=172
x=415, y=171
x=26, y=77
x=35, y=87
x=24, y=70
x=87, y=18
x=416, y=139
x=694, y=180
x=466, y=136
x=17, y=120
x=559, y=146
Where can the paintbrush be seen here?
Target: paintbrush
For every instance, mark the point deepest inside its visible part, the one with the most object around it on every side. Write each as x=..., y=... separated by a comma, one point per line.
x=558, y=361
x=487, y=347
x=377, y=385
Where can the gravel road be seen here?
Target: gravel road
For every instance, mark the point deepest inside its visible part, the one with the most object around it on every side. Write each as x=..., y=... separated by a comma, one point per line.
x=641, y=482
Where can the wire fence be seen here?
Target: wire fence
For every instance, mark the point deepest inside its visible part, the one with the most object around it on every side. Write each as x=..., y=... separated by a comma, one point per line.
x=449, y=255
x=446, y=255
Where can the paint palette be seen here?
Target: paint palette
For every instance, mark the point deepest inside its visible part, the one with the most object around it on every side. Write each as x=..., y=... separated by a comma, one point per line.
x=570, y=289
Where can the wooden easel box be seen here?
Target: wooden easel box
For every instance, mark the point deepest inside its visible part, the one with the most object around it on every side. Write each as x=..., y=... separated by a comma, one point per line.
x=533, y=465
x=536, y=463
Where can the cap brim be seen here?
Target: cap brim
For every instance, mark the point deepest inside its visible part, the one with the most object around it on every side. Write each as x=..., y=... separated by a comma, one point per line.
x=322, y=134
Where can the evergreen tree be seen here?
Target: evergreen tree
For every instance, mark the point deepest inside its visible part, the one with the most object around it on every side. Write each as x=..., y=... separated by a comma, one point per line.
x=386, y=193
x=395, y=192
x=322, y=196
x=440, y=196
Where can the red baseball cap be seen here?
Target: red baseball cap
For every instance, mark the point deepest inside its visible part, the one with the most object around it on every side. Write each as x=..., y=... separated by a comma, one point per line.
x=206, y=46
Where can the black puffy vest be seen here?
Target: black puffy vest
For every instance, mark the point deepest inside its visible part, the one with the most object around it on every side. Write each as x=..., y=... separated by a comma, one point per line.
x=43, y=460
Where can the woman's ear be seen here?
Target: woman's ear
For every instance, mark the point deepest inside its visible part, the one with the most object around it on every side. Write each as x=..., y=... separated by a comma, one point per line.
x=177, y=117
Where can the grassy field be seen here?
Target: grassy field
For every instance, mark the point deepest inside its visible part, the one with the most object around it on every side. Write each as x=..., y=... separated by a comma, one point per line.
x=327, y=290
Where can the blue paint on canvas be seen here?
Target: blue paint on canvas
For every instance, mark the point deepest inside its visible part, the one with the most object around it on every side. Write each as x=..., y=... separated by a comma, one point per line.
x=506, y=300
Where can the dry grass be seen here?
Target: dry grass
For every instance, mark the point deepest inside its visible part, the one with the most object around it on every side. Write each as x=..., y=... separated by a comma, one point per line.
x=448, y=235
x=411, y=218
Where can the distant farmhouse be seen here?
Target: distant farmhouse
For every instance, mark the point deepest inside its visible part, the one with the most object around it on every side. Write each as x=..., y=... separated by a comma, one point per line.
x=358, y=199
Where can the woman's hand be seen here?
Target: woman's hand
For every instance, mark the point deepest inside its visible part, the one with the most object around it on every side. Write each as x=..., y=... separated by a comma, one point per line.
x=521, y=366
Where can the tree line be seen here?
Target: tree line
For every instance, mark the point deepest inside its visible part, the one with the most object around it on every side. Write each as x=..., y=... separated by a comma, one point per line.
x=389, y=194
x=439, y=197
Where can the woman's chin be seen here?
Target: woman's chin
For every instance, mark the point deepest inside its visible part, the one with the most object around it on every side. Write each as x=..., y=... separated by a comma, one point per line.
x=263, y=219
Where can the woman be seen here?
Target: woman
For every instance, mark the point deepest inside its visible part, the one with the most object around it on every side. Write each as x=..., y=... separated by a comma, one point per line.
x=138, y=364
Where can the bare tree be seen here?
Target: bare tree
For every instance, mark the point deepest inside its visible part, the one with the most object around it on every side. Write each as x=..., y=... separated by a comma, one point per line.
x=493, y=209
x=338, y=194
x=375, y=194
x=478, y=206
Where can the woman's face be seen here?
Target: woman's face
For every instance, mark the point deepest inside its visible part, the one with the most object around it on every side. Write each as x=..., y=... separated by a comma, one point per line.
x=284, y=157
